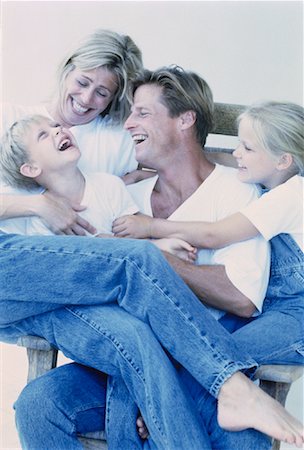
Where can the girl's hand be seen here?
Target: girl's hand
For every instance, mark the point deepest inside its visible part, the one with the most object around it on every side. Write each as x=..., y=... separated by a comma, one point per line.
x=137, y=175
x=61, y=217
x=135, y=226
x=177, y=247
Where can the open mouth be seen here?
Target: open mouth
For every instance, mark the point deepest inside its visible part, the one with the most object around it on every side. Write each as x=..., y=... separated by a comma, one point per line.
x=79, y=108
x=139, y=138
x=64, y=144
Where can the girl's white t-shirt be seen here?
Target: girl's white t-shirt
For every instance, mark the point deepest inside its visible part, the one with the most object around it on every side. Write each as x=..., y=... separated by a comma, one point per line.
x=280, y=210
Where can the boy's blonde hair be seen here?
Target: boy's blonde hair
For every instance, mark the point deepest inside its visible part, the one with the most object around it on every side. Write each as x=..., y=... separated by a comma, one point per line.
x=279, y=127
x=14, y=153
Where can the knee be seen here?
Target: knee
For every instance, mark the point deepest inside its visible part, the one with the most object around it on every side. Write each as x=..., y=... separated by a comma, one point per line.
x=30, y=403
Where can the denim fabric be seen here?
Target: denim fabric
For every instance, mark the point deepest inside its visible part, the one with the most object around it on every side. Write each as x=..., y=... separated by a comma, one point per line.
x=73, y=399
x=52, y=409
x=43, y=272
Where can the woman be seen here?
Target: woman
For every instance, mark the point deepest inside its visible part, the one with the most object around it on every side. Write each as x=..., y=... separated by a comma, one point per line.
x=92, y=100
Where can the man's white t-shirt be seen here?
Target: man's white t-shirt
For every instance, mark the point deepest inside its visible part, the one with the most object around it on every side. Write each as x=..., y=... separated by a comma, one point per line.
x=221, y=194
x=280, y=211
x=105, y=197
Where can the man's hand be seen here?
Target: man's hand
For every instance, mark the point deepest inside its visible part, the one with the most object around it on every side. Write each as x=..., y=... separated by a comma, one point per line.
x=61, y=217
x=133, y=226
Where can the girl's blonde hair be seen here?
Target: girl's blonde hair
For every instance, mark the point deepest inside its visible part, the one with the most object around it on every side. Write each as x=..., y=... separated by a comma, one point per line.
x=279, y=127
x=14, y=153
x=115, y=52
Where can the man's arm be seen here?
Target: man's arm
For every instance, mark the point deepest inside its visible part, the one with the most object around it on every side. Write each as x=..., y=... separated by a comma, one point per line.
x=212, y=286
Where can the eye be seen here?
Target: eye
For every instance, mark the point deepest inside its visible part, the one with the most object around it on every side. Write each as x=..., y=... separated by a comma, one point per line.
x=82, y=83
x=101, y=94
x=42, y=135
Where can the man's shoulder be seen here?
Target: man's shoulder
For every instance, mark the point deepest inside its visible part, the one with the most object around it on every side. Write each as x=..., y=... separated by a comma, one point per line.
x=228, y=180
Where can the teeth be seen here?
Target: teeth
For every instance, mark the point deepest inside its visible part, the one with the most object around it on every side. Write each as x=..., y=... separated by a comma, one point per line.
x=64, y=145
x=137, y=138
x=79, y=108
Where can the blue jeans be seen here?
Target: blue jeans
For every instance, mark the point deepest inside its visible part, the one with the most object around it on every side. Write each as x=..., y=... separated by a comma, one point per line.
x=78, y=271
x=44, y=273
x=74, y=402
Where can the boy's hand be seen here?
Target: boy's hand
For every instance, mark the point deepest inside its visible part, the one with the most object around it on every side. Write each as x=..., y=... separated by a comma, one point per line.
x=177, y=247
x=135, y=226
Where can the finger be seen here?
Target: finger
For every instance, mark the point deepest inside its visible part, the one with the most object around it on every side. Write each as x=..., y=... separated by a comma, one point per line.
x=79, y=208
x=85, y=225
x=78, y=231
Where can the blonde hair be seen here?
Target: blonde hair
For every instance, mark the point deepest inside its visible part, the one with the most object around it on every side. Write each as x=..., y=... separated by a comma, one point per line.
x=279, y=128
x=14, y=153
x=115, y=52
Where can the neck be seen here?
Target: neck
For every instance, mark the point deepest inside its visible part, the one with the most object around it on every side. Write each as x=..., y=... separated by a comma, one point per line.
x=69, y=185
x=178, y=180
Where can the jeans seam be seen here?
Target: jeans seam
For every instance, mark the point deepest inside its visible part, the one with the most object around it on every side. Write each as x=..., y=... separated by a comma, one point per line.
x=129, y=361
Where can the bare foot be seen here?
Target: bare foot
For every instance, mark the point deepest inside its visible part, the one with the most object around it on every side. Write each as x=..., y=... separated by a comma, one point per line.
x=242, y=404
x=141, y=428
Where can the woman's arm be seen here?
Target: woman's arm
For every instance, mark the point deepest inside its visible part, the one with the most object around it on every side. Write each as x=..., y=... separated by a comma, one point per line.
x=55, y=212
x=234, y=228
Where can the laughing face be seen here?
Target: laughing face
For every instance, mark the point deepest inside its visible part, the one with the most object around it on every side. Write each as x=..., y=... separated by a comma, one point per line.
x=153, y=131
x=255, y=164
x=50, y=147
x=86, y=95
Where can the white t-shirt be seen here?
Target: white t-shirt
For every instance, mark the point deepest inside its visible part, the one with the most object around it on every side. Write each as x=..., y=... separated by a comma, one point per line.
x=221, y=194
x=104, y=147
x=105, y=197
x=280, y=211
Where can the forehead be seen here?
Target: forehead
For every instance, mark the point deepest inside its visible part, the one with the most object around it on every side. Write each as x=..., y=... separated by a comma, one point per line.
x=101, y=75
x=148, y=94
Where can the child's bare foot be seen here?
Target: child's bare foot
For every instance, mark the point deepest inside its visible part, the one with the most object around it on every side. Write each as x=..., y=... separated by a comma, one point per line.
x=141, y=428
x=242, y=404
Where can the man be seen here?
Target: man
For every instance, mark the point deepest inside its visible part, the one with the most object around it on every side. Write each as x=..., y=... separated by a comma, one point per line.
x=196, y=171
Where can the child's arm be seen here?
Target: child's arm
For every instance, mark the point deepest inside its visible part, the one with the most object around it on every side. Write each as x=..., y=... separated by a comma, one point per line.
x=234, y=228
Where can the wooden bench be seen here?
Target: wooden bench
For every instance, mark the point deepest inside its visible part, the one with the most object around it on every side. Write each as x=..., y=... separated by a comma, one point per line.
x=276, y=380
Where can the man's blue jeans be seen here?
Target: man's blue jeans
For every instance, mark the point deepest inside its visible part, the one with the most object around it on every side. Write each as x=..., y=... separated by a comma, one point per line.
x=74, y=402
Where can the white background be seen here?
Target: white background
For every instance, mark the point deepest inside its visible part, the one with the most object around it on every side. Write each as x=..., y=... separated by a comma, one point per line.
x=247, y=51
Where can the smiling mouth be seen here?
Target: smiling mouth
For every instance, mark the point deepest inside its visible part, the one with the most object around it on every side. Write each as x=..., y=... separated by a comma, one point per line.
x=64, y=145
x=79, y=108
x=139, y=138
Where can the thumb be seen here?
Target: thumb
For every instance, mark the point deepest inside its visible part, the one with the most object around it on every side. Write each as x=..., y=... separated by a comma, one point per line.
x=77, y=207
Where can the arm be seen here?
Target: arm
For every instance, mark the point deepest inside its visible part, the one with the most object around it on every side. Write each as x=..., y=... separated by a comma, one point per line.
x=137, y=175
x=56, y=212
x=213, y=287
x=227, y=231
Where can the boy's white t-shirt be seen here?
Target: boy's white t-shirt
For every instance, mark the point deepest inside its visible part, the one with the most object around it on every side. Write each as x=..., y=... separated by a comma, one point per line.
x=280, y=211
x=221, y=194
x=105, y=197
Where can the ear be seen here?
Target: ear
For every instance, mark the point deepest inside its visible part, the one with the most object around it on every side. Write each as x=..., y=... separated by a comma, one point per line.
x=187, y=119
x=30, y=171
x=285, y=161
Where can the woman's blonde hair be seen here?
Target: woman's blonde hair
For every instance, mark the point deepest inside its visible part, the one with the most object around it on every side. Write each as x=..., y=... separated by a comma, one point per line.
x=279, y=127
x=113, y=51
x=14, y=153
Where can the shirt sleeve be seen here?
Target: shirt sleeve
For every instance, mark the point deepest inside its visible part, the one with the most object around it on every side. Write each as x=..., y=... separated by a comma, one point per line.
x=279, y=210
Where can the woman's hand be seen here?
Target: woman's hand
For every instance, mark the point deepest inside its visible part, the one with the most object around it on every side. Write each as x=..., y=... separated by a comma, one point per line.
x=61, y=217
x=133, y=226
x=177, y=247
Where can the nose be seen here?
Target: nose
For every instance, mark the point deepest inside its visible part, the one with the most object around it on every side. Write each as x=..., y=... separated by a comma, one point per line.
x=87, y=96
x=129, y=123
x=237, y=151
